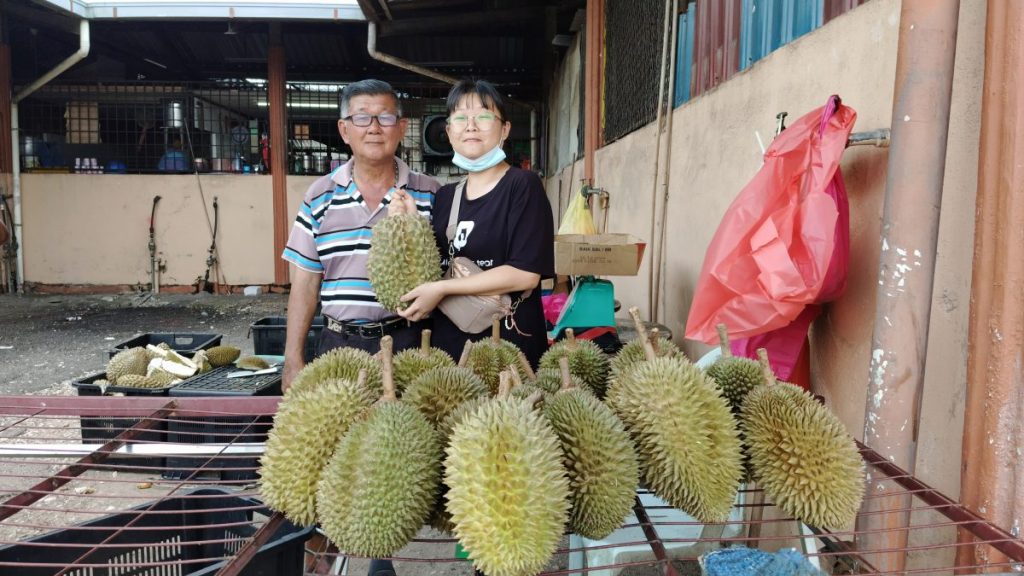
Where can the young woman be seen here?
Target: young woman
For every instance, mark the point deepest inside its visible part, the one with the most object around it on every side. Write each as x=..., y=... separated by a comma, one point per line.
x=504, y=225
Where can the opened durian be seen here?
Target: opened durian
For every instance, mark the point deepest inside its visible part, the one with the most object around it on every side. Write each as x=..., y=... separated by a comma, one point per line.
x=685, y=434
x=222, y=355
x=402, y=256
x=734, y=375
x=802, y=455
x=411, y=363
x=436, y=393
x=586, y=361
x=133, y=361
x=381, y=483
x=489, y=357
x=307, y=428
x=508, y=494
x=340, y=364
x=598, y=456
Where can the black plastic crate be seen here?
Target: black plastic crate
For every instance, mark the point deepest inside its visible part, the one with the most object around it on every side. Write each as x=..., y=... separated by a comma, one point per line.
x=268, y=336
x=173, y=535
x=100, y=429
x=220, y=430
x=185, y=342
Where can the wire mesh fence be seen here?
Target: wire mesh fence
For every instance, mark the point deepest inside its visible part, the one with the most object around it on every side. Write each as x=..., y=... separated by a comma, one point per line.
x=633, y=48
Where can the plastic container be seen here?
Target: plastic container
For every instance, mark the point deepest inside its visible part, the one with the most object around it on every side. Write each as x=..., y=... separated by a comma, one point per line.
x=175, y=534
x=100, y=429
x=185, y=342
x=268, y=336
x=220, y=430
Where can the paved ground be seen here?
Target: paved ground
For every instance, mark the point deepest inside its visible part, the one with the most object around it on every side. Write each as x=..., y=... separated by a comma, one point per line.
x=48, y=341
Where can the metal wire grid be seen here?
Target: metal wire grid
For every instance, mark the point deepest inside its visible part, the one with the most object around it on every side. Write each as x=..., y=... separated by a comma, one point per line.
x=50, y=483
x=632, y=52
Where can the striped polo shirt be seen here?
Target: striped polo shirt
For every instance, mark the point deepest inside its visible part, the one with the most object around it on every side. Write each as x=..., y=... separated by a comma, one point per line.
x=332, y=234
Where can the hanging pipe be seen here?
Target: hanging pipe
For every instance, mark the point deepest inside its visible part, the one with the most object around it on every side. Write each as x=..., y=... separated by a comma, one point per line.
x=652, y=306
x=83, y=51
x=659, y=279
x=910, y=229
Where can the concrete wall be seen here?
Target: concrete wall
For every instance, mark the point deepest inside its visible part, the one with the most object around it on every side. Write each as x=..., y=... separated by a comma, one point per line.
x=85, y=229
x=715, y=152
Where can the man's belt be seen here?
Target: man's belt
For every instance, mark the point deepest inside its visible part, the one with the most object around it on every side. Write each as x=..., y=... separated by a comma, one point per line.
x=366, y=329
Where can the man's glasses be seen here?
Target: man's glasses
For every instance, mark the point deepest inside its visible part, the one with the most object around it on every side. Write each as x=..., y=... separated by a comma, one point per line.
x=484, y=121
x=364, y=120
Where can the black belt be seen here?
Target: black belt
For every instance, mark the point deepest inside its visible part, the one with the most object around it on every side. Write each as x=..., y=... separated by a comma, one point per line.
x=364, y=329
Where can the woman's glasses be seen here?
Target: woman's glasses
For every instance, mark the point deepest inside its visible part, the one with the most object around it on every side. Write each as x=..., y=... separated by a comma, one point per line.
x=483, y=120
x=364, y=120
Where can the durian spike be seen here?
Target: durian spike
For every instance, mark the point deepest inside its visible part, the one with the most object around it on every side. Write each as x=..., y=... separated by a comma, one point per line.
x=387, y=369
x=570, y=339
x=425, y=342
x=654, y=337
x=563, y=364
x=465, y=354
x=525, y=365
x=766, y=367
x=496, y=328
x=723, y=341
x=516, y=380
x=504, y=384
x=641, y=333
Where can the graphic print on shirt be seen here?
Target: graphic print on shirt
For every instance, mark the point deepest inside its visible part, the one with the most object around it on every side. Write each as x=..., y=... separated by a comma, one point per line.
x=462, y=232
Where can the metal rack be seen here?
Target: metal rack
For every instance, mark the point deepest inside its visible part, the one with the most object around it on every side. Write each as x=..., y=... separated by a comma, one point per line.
x=49, y=482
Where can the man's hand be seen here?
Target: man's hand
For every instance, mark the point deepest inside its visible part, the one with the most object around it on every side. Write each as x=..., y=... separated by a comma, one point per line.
x=423, y=299
x=401, y=203
x=291, y=368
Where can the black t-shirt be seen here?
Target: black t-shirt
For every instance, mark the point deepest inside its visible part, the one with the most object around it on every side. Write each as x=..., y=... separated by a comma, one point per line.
x=511, y=224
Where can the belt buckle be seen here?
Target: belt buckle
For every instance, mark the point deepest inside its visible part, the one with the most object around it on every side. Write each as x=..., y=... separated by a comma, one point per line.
x=367, y=332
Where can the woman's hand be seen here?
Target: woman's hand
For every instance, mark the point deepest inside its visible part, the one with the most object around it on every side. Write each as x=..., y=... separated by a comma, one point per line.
x=423, y=299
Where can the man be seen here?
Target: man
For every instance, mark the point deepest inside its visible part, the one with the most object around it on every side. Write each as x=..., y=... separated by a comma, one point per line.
x=330, y=239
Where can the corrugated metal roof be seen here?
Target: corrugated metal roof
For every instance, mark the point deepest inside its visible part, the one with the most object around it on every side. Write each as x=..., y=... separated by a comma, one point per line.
x=332, y=10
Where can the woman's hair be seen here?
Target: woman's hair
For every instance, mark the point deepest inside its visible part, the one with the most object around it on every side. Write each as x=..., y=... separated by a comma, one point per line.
x=489, y=96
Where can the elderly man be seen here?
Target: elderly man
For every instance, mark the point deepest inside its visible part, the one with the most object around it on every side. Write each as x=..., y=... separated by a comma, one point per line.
x=330, y=239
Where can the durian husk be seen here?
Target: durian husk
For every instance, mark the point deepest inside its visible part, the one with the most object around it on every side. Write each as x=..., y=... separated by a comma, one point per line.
x=586, y=361
x=222, y=355
x=343, y=364
x=307, y=427
x=380, y=485
x=139, y=381
x=402, y=255
x=252, y=363
x=133, y=361
x=411, y=363
x=508, y=494
x=802, y=456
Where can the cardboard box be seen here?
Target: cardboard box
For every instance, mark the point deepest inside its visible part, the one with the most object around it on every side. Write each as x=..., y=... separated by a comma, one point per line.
x=598, y=254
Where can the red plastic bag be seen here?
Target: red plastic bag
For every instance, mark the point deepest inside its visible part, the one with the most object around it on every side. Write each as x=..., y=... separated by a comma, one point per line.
x=783, y=244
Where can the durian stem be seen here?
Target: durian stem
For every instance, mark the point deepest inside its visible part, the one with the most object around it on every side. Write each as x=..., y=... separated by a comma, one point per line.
x=534, y=398
x=389, y=378
x=525, y=365
x=496, y=328
x=655, y=336
x=464, y=359
x=563, y=365
x=723, y=340
x=766, y=366
x=425, y=341
x=570, y=339
x=641, y=333
x=516, y=380
x=504, y=384
x=361, y=381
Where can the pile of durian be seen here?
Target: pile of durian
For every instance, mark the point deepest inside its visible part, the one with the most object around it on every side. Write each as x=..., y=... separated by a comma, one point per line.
x=159, y=366
x=374, y=447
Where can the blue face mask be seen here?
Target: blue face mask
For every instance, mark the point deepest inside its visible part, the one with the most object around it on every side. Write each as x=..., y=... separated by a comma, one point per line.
x=488, y=160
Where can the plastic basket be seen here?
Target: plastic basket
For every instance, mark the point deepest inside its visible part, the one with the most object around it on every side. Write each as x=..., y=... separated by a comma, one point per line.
x=268, y=336
x=100, y=429
x=178, y=341
x=181, y=539
x=220, y=430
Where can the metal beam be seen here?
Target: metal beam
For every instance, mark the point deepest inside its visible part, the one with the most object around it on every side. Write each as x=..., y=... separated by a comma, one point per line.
x=330, y=10
x=137, y=406
x=461, y=22
x=278, y=127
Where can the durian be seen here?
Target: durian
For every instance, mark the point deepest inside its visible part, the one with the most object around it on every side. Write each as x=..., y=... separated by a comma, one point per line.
x=734, y=375
x=633, y=353
x=252, y=363
x=307, y=428
x=343, y=364
x=508, y=494
x=489, y=357
x=411, y=363
x=586, y=361
x=133, y=361
x=439, y=391
x=598, y=456
x=403, y=255
x=684, y=432
x=550, y=380
x=139, y=381
x=222, y=355
x=802, y=456
x=381, y=483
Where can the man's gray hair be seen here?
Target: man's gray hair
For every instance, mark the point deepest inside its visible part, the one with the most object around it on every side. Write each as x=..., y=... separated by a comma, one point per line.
x=369, y=87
